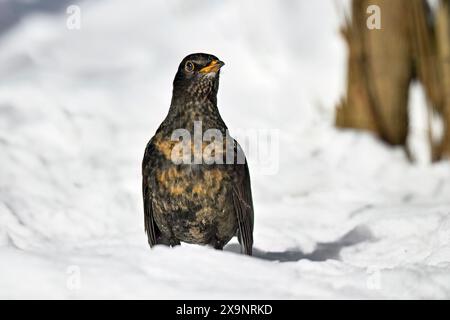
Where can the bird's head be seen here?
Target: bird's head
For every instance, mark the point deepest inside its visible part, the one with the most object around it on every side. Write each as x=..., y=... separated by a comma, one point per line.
x=198, y=76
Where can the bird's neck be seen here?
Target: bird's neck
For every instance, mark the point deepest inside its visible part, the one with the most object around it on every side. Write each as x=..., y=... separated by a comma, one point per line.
x=185, y=110
x=182, y=102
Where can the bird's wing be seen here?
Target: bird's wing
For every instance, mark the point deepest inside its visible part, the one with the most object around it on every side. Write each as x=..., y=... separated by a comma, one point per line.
x=243, y=206
x=149, y=222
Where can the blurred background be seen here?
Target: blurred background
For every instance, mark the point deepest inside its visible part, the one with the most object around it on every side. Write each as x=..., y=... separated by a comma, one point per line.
x=359, y=206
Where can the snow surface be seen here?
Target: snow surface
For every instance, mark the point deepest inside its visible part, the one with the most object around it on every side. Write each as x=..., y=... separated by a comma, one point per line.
x=344, y=217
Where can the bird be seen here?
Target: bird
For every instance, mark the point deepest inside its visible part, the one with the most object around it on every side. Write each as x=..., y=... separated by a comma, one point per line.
x=193, y=201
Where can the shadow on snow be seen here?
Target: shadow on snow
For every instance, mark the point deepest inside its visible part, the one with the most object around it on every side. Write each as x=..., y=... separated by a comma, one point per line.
x=324, y=251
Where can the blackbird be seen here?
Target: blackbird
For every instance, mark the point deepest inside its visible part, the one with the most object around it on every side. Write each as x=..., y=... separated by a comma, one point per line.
x=198, y=202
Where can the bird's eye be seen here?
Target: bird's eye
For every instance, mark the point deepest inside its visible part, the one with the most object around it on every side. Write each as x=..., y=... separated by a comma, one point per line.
x=189, y=66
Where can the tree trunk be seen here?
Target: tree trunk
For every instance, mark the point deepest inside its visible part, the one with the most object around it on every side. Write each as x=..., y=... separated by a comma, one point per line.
x=443, y=50
x=381, y=67
x=382, y=64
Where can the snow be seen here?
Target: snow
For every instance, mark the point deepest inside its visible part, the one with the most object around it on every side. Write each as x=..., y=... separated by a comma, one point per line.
x=344, y=217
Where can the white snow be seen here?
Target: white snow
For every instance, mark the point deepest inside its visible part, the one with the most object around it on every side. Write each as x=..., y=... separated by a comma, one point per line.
x=344, y=217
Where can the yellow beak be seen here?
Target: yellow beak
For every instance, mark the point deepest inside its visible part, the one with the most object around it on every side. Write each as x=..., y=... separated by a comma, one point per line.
x=214, y=66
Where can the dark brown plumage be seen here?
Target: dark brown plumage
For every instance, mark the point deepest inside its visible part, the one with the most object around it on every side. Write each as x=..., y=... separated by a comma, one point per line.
x=203, y=203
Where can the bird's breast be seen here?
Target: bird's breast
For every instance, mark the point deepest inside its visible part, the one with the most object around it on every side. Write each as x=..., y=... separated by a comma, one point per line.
x=193, y=202
x=192, y=183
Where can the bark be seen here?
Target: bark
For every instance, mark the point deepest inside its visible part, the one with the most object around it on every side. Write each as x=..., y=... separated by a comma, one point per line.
x=412, y=44
x=443, y=62
x=381, y=67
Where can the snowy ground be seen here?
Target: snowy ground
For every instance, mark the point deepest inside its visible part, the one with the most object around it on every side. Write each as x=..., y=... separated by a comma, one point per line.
x=344, y=217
